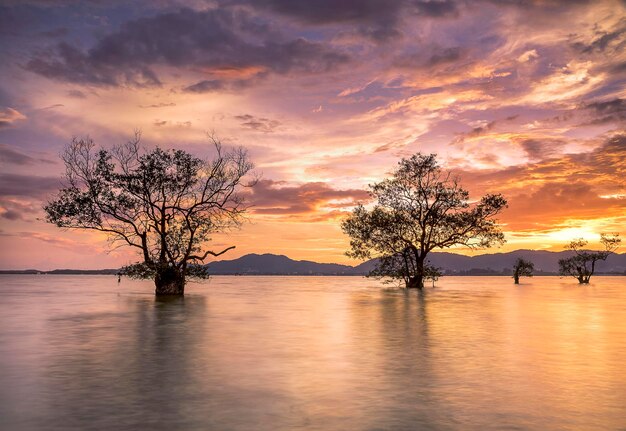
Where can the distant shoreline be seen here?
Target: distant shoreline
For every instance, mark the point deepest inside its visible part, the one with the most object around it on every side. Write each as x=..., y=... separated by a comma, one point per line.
x=498, y=264
x=114, y=273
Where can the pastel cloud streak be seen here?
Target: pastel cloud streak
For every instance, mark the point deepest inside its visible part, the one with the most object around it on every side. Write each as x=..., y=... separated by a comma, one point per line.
x=524, y=98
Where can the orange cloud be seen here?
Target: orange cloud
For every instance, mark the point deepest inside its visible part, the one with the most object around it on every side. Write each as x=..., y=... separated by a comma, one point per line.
x=318, y=201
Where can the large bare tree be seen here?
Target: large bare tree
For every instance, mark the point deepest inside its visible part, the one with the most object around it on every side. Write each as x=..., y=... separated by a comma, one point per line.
x=164, y=203
x=419, y=209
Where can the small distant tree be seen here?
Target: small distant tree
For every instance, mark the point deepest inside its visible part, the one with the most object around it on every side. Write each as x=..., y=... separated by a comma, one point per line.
x=582, y=264
x=419, y=209
x=164, y=203
x=521, y=268
x=432, y=273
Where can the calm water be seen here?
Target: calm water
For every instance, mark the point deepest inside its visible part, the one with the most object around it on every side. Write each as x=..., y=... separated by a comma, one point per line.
x=314, y=353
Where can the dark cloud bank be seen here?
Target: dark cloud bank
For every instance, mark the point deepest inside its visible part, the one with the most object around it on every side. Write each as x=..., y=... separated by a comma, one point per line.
x=225, y=39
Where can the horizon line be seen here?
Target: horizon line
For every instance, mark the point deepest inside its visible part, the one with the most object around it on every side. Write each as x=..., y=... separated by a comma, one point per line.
x=295, y=260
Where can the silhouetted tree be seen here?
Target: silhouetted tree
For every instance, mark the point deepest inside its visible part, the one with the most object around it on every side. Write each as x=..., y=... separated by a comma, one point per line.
x=582, y=264
x=393, y=267
x=432, y=273
x=521, y=268
x=166, y=204
x=418, y=209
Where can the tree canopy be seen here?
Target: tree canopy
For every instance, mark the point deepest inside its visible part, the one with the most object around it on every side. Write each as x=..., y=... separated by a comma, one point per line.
x=164, y=203
x=419, y=209
x=582, y=264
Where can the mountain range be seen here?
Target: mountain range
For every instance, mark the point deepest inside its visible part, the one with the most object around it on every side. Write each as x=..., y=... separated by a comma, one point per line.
x=546, y=263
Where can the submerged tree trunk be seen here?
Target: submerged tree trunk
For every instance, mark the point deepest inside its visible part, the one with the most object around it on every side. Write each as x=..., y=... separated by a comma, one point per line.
x=415, y=282
x=169, y=281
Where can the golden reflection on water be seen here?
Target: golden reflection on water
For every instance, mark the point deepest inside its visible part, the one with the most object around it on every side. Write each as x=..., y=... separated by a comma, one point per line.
x=315, y=353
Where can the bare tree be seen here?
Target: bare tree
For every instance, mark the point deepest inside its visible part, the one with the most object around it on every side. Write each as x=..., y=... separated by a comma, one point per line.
x=521, y=268
x=582, y=264
x=164, y=203
x=419, y=209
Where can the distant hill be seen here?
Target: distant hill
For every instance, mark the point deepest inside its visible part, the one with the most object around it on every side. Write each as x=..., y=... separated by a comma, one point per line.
x=546, y=262
x=272, y=264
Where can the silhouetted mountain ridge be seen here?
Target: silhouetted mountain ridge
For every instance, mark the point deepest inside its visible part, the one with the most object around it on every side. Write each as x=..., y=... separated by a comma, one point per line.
x=267, y=264
x=451, y=263
x=546, y=262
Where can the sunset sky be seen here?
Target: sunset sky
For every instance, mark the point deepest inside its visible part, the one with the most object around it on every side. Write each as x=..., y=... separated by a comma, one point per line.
x=524, y=98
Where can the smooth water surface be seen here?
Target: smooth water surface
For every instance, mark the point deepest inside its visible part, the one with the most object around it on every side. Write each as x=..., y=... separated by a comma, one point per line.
x=314, y=353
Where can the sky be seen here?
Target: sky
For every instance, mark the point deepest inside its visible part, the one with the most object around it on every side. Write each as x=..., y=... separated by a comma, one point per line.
x=524, y=98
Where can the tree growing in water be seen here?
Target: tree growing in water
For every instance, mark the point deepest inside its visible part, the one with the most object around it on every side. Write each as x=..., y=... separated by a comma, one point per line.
x=582, y=264
x=419, y=209
x=166, y=204
x=523, y=268
x=392, y=268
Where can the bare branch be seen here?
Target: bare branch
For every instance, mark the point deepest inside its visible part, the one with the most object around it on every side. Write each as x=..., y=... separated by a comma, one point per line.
x=209, y=252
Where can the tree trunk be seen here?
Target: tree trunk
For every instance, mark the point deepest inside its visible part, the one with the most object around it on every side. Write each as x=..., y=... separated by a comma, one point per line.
x=516, y=278
x=169, y=281
x=583, y=277
x=416, y=282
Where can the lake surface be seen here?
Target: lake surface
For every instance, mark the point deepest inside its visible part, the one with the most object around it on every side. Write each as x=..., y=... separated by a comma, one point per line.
x=312, y=353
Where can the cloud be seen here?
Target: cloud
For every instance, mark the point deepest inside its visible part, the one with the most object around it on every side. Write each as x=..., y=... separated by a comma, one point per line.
x=375, y=19
x=8, y=116
x=610, y=111
x=27, y=185
x=57, y=32
x=206, y=86
x=204, y=40
x=76, y=94
x=542, y=5
x=276, y=198
x=18, y=208
x=476, y=132
x=486, y=129
x=553, y=190
x=13, y=157
x=555, y=203
x=70, y=64
x=430, y=57
x=542, y=148
x=396, y=144
x=258, y=124
x=158, y=105
x=221, y=84
x=604, y=40
x=161, y=123
x=56, y=240
x=56, y=105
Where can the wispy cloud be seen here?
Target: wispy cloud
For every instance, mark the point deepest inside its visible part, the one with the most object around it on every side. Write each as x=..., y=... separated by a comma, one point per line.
x=8, y=116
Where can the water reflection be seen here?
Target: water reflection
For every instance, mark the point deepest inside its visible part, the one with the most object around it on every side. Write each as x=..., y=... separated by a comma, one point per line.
x=393, y=349
x=126, y=369
x=314, y=353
